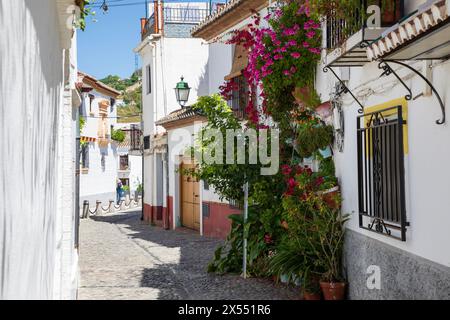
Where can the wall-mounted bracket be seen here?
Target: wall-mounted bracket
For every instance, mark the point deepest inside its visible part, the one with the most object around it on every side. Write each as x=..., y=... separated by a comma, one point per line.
x=344, y=89
x=387, y=70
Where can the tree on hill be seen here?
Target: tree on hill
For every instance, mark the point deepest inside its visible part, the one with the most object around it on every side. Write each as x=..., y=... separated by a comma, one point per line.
x=131, y=94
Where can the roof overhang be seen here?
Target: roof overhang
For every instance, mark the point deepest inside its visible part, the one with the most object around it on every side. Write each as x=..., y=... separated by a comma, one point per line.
x=424, y=35
x=226, y=17
x=91, y=82
x=180, y=118
x=352, y=53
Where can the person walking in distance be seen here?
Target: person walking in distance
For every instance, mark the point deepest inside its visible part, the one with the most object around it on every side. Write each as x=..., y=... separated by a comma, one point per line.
x=119, y=189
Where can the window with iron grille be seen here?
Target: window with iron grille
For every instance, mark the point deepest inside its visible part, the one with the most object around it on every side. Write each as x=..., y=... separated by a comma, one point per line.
x=239, y=96
x=135, y=138
x=381, y=172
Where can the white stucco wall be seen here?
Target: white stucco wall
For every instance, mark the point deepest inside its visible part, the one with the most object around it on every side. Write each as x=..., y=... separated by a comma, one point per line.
x=99, y=183
x=427, y=172
x=38, y=259
x=169, y=58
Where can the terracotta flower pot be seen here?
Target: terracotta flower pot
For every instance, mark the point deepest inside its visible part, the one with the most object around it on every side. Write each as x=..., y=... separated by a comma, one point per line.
x=333, y=290
x=311, y=296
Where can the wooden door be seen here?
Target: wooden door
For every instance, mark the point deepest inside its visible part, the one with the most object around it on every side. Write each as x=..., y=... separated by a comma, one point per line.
x=190, y=199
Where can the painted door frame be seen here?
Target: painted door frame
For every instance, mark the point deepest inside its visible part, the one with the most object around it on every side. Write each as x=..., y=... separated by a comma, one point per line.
x=189, y=161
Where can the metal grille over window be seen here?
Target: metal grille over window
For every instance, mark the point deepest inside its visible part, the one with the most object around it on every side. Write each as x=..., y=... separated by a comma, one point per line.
x=381, y=173
x=135, y=138
x=240, y=98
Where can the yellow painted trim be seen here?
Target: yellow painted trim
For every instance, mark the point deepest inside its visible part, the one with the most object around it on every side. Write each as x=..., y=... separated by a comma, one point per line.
x=393, y=103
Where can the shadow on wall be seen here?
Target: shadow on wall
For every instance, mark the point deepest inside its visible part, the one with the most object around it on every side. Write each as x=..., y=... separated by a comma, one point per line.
x=30, y=108
x=203, y=82
x=180, y=265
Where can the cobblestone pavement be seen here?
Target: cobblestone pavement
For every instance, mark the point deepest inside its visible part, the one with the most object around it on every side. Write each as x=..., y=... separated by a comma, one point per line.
x=122, y=258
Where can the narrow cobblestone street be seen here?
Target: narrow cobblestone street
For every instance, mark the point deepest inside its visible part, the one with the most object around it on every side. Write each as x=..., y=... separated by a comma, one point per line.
x=122, y=258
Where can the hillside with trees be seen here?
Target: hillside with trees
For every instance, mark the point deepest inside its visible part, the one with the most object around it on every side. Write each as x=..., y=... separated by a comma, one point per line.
x=131, y=90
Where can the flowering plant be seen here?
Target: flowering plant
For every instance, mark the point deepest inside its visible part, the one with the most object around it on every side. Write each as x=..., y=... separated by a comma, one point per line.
x=281, y=57
x=286, y=54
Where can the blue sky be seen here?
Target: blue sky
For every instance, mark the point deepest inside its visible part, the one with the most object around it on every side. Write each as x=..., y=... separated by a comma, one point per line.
x=106, y=46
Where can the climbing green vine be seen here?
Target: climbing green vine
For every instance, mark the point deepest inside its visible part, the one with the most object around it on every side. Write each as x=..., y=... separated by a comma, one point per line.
x=85, y=11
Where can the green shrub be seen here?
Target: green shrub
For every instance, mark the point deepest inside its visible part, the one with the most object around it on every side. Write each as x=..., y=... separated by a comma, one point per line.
x=118, y=135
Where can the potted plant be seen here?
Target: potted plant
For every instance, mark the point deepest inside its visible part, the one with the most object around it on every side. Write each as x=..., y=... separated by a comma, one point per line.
x=293, y=262
x=312, y=136
x=329, y=225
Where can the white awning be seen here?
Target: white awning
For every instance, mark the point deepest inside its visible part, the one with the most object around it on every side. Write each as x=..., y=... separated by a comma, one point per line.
x=423, y=35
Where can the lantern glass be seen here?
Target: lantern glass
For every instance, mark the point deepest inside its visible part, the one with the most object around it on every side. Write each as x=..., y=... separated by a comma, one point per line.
x=182, y=92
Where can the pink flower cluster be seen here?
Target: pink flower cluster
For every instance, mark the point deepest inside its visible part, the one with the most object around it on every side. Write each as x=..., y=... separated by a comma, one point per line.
x=269, y=49
x=290, y=173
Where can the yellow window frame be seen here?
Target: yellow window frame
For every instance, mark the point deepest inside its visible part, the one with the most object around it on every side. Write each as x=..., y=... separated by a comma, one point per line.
x=389, y=104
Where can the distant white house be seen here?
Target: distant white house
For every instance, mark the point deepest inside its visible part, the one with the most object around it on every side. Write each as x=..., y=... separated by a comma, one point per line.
x=168, y=52
x=99, y=155
x=129, y=168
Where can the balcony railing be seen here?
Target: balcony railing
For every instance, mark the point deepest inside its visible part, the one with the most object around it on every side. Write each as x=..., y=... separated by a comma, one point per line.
x=339, y=30
x=185, y=15
x=181, y=15
x=135, y=138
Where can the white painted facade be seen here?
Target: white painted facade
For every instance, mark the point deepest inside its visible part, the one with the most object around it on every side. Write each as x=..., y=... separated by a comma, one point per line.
x=38, y=105
x=426, y=165
x=167, y=59
x=98, y=181
x=134, y=171
x=427, y=172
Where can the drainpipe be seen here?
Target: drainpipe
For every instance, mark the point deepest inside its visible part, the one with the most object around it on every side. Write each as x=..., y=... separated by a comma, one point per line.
x=166, y=167
x=77, y=171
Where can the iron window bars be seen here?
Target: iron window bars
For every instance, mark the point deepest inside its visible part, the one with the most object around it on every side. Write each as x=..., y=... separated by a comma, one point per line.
x=135, y=138
x=239, y=96
x=381, y=173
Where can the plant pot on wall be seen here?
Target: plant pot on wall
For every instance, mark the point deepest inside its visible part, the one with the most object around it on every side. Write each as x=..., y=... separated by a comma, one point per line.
x=333, y=290
x=306, y=97
x=311, y=138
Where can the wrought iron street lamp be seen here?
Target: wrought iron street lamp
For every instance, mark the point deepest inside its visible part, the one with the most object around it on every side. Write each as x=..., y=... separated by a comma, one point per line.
x=182, y=92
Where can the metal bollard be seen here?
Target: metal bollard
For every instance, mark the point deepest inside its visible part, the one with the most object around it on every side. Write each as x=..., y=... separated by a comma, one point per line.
x=98, y=208
x=85, y=214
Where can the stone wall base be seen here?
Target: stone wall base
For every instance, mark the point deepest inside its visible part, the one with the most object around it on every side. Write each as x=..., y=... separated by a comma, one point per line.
x=402, y=274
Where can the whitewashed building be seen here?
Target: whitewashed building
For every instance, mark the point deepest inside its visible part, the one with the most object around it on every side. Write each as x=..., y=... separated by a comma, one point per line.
x=168, y=52
x=395, y=186
x=99, y=155
x=129, y=167
x=38, y=107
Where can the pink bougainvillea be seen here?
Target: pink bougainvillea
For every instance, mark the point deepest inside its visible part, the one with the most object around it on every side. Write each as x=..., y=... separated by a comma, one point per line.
x=279, y=56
